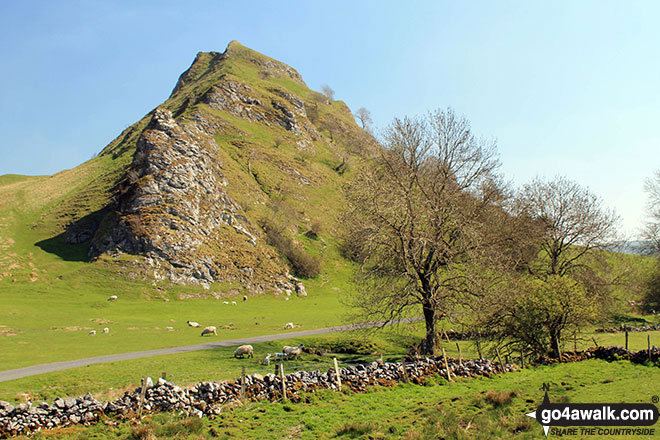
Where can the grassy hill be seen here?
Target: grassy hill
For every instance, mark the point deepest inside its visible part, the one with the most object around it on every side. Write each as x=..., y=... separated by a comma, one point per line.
x=280, y=162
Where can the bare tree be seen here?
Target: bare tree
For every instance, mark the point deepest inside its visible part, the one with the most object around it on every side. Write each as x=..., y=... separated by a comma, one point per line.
x=652, y=226
x=419, y=220
x=364, y=116
x=651, y=233
x=328, y=92
x=561, y=290
x=573, y=223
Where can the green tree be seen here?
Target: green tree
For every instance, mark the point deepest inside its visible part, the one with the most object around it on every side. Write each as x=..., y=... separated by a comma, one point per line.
x=532, y=315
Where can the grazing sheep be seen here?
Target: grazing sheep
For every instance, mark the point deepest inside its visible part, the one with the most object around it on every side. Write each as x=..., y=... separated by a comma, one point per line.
x=292, y=351
x=92, y=333
x=286, y=299
x=289, y=325
x=279, y=356
x=244, y=298
x=266, y=360
x=113, y=298
x=193, y=323
x=243, y=350
x=106, y=330
x=169, y=329
x=210, y=330
x=225, y=302
x=233, y=303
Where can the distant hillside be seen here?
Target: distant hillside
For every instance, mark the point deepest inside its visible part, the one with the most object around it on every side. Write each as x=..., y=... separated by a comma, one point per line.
x=635, y=247
x=186, y=193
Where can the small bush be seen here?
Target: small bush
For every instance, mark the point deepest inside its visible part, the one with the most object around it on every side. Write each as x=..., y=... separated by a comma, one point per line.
x=355, y=429
x=142, y=432
x=348, y=346
x=185, y=426
x=500, y=398
x=303, y=264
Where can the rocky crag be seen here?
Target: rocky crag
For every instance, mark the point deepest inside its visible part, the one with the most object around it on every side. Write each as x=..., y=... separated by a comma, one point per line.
x=240, y=139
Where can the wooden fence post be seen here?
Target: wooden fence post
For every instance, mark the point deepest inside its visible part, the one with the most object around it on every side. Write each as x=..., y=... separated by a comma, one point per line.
x=283, y=381
x=337, y=374
x=143, y=390
x=405, y=372
x=242, y=394
x=444, y=356
x=522, y=359
x=626, y=339
x=479, y=349
x=499, y=358
x=460, y=355
x=164, y=375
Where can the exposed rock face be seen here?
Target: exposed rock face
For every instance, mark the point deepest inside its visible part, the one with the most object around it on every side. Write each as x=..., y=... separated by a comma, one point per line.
x=174, y=202
x=239, y=138
x=239, y=99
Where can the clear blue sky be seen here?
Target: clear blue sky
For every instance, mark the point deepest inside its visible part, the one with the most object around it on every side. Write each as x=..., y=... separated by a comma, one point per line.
x=569, y=88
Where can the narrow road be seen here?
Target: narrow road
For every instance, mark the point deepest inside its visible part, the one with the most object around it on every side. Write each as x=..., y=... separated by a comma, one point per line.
x=57, y=366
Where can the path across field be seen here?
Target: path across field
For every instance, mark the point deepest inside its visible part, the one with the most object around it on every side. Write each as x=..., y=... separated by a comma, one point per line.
x=65, y=365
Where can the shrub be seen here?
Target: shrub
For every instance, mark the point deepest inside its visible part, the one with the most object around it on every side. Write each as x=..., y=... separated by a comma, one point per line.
x=303, y=264
x=500, y=398
x=355, y=429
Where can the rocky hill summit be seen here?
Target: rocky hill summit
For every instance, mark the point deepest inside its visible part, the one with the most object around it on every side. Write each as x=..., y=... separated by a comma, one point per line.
x=240, y=148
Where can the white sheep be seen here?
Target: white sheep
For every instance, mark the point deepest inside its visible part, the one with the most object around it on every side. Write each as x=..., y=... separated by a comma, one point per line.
x=210, y=330
x=233, y=303
x=106, y=330
x=266, y=360
x=112, y=298
x=225, y=302
x=289, y=351
x=279, y=356
x=92, y=333
x=289, y=325
x=243, y=350
x=169, y=329
x=193, y=323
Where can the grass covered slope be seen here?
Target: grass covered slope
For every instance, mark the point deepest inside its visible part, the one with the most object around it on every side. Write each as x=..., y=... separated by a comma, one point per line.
x=481, y=408
x=283, y=162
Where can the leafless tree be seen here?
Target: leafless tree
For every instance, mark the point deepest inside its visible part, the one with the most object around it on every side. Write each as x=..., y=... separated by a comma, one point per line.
x=652, y=227
x=651, y=233
x=364, y=116
x=328, y=92
x=573, y=223
x=420, y=220
x=561, y=289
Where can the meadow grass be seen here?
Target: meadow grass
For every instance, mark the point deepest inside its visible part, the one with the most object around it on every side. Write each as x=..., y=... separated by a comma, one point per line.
x=480, y=408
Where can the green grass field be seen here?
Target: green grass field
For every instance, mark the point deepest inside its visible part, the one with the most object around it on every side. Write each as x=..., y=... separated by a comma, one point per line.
x=51, y=296
x=479, y=408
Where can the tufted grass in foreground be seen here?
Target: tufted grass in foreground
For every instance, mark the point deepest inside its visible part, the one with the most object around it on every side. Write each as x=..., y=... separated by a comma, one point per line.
x=480, y=408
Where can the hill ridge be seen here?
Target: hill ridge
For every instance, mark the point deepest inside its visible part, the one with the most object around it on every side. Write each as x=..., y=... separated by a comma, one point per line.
x=183, y=192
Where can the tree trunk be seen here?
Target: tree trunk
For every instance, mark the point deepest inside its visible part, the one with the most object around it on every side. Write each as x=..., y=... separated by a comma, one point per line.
x=431, y=340
x=554, y=344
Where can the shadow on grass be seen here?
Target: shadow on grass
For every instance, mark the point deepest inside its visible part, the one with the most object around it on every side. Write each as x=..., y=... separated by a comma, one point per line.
x=67, y=252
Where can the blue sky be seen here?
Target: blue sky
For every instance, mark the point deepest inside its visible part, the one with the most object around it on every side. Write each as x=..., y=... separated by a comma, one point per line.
x=570, y=88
